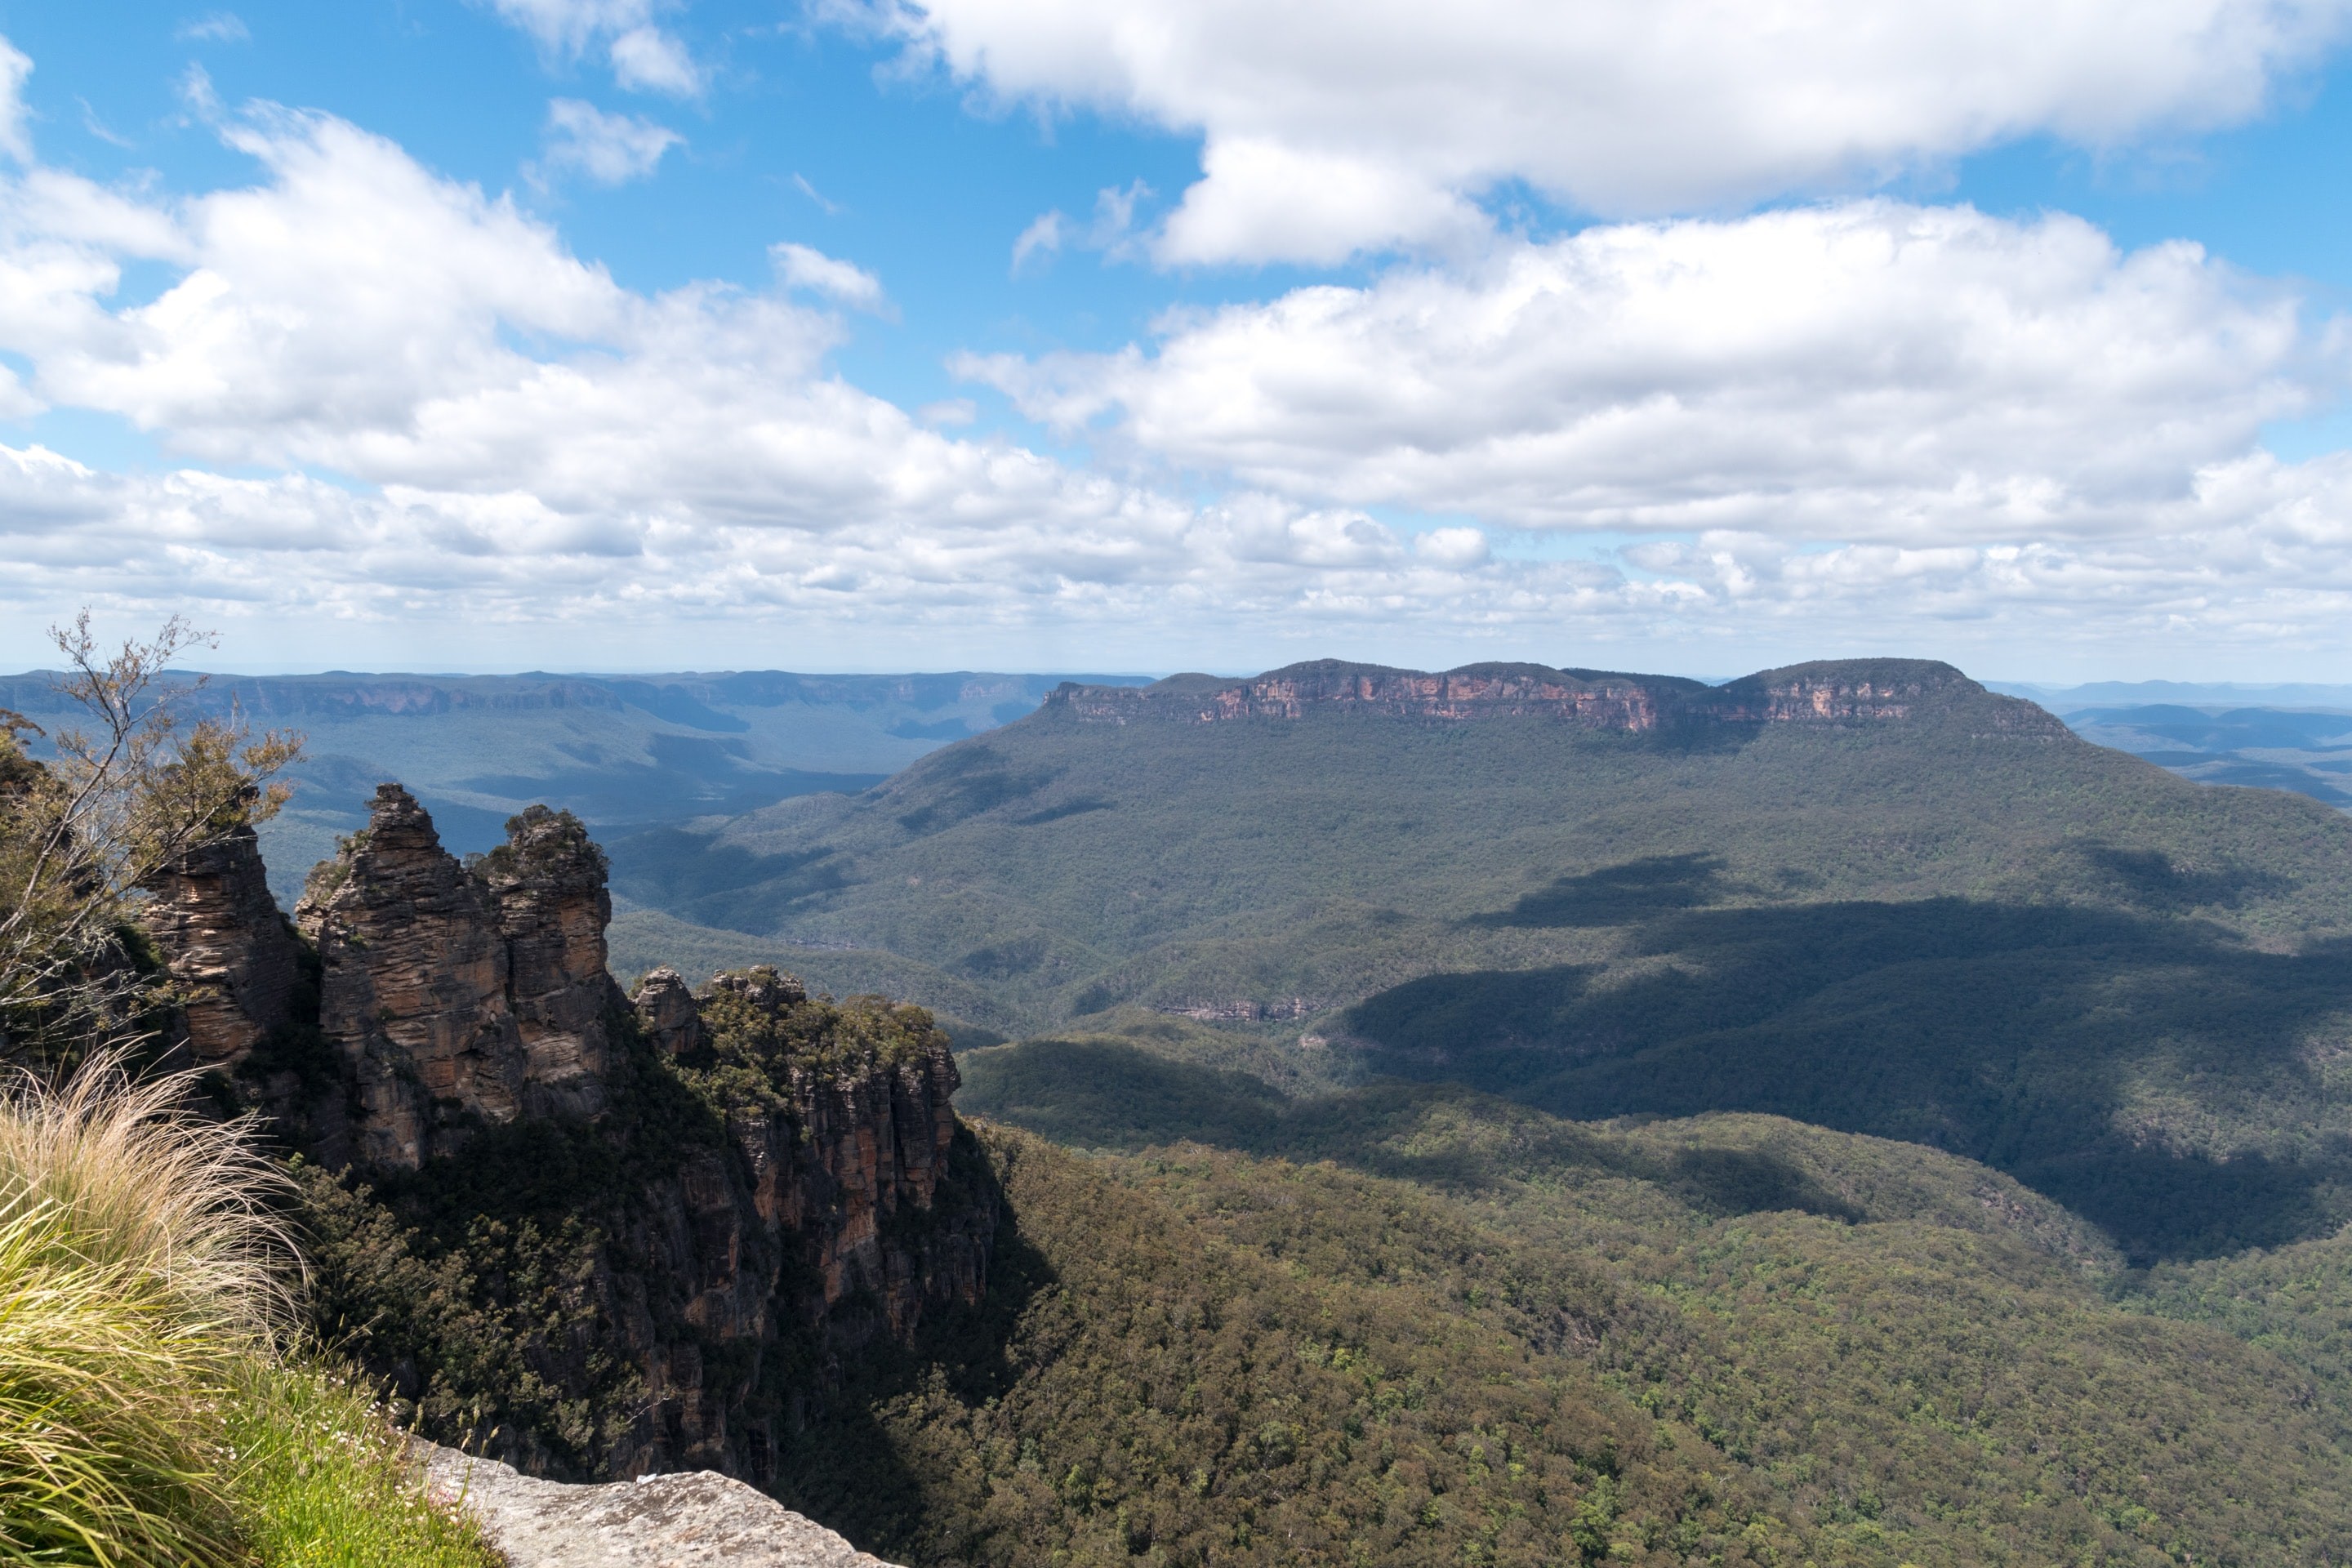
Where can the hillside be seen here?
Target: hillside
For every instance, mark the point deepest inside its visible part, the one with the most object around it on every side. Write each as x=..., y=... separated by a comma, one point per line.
x=612, y=750
x=1524, y=1356
x=1872, y=896
x=742, y=1226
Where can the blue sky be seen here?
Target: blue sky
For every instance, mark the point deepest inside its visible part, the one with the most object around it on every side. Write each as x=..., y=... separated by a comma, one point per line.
x=619, y=334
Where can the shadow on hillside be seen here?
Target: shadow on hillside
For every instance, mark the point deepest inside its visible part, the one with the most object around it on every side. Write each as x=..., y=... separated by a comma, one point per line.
x=1616, y=895
x=692, y=877
x=2150, y=879
x=841, y=1457
x=2058, y=1044
x=1107, y=1094
x=963, y=782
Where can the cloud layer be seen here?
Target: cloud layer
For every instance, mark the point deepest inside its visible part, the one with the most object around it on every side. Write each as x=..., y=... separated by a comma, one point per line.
x=402, y=402
x=1334, y=125
x=1867, y=371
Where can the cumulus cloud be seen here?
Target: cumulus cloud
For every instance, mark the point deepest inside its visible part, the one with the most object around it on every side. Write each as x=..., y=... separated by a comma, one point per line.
x=644, y=58
x=1869, y=370
x=610, y=149
x=1331, y=126
x=844, y=282
x=430, y=412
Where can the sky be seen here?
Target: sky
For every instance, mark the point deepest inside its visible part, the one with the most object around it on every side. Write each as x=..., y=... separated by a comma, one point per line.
x=1138, y=335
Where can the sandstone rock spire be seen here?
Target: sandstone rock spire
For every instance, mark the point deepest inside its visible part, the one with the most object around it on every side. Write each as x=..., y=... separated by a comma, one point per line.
x=413, y=986
x=227, y=946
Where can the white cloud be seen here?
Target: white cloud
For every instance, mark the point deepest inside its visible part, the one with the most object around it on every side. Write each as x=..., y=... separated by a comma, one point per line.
x=16, y=137
x=610, y=149
x=216, y=27
x=98, y=128
x=569, y=27
x=1452, y=547
x=1043, y=237
x=482, y=441
x=1112, y=231
x=801, y=183
x=801, y=268
x=644, y=58
x=1863, y=371
x=1331, y=126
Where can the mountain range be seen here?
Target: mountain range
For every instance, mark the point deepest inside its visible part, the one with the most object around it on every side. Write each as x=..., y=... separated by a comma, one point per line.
x=1510, y=1115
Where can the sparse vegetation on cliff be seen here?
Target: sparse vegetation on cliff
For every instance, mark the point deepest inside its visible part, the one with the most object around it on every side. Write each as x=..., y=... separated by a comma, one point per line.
x=513, y=1292
x=127, y=790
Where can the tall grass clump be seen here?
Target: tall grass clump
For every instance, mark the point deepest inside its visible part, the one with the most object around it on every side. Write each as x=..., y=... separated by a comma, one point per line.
x=142, y=1266
x=153, y=1409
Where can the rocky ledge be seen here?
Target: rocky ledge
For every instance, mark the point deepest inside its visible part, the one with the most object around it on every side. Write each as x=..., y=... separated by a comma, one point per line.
x=698, y=1520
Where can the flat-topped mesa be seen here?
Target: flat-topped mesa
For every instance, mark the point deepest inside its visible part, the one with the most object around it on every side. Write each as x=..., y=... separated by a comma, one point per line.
x=1597, y=699
x=1838, y=693
x=229, y=949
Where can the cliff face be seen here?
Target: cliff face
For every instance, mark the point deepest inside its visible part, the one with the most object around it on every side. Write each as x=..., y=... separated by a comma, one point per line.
x=1837, y=692
x=830, y=1215
x=548, y=897
x=848, y=1144
x=229, y=947
x=754, y=1181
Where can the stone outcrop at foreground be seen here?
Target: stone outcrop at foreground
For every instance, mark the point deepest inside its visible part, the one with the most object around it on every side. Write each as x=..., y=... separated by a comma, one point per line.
x=1832, y=692
x=686, y=1520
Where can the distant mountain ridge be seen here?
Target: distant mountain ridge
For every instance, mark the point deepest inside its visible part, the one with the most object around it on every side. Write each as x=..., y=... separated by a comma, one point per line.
x=2067, y=699
x=635, y=750
x=1833, y=691
x=1868, y=894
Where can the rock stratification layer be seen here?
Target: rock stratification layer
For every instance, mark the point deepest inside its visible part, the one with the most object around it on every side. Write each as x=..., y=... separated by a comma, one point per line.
x=829, y=1212
x=754, y=1181
x=229, y=947
x=546, y=889
x=413, y=986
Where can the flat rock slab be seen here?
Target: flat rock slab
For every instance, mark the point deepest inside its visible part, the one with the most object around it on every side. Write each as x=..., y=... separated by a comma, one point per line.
x=698, y=1520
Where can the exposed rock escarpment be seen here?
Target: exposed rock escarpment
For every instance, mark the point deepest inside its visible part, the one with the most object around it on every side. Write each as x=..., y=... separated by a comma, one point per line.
x=229, y=947
x=1832, y=692
x=546, y=889
x=655, y=1521
x=667, y=1013
x=849, y=1138
x=462, y=997
x=748, y=1182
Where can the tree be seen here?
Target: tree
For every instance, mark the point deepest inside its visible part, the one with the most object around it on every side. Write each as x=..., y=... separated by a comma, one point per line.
x=126, y=792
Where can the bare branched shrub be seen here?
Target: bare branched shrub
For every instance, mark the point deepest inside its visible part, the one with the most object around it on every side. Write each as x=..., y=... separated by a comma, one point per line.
x=128, y=790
